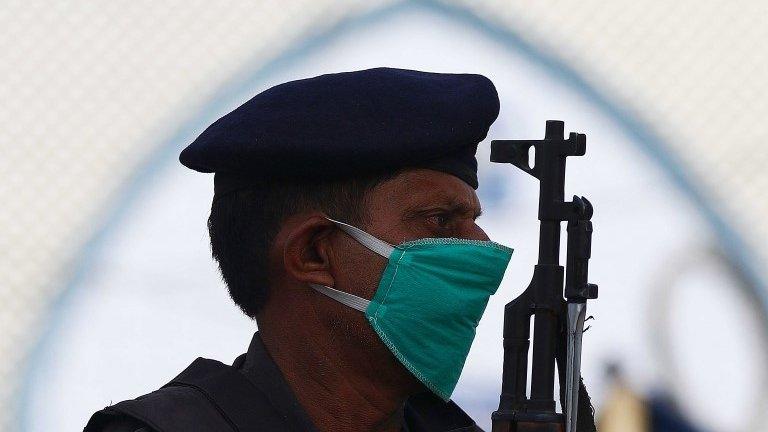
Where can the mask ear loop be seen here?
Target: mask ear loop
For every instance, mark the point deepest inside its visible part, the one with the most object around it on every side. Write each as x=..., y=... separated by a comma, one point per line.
x=376, y=246
x=346, y=299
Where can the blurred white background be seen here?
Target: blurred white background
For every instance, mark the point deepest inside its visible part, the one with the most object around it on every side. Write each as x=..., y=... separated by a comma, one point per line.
x=108, y=288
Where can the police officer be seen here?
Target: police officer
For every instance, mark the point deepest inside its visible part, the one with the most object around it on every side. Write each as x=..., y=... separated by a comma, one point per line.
x=344, y=223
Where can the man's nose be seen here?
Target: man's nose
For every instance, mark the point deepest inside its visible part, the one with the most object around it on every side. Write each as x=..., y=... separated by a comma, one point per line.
x=474, y=232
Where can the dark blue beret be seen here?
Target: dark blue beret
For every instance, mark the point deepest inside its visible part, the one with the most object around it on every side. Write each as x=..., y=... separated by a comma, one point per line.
x=348, y=124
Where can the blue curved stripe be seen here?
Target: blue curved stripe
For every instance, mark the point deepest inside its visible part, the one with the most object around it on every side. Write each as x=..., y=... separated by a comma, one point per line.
x=257, y=72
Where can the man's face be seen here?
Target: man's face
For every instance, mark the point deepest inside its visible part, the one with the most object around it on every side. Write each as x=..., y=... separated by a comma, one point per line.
x=416, y=204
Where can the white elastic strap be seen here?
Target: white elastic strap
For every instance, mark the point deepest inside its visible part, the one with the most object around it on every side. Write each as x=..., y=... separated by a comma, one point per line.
x=375, y=245
x=347, y=299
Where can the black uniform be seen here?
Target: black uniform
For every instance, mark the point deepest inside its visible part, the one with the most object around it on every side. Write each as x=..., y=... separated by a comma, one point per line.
x=250, y=395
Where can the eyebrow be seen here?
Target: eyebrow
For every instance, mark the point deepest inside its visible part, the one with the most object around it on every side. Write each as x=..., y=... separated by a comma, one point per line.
x=451, y=205
x=460, y=208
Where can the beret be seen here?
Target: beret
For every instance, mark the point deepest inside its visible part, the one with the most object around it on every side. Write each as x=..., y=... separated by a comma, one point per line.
x=349, y=124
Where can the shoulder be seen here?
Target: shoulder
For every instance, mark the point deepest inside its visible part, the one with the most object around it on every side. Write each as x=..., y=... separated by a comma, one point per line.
x=105, y=421
x=206, y=396
x=174, y=407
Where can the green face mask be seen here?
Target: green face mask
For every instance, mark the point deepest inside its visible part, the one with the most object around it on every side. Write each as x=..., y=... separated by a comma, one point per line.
x=429, y=301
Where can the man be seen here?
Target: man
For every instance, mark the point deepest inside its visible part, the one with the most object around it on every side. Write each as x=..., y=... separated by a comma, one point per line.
x=315, y=180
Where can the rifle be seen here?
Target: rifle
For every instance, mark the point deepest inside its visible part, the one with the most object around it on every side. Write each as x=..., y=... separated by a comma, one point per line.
x=559, y=314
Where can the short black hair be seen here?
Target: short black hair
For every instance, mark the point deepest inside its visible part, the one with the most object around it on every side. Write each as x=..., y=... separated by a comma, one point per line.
x=243, y=224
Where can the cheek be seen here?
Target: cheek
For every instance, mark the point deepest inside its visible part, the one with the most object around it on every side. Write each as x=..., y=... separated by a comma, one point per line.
x=359, y=273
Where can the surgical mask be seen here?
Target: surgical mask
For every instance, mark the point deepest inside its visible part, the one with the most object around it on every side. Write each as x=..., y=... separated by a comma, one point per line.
x=429, y=301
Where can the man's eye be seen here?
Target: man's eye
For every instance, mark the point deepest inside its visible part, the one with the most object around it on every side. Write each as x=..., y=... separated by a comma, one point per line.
x=441, y=220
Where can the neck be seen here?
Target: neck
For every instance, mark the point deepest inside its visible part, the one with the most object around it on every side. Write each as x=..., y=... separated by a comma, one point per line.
x=340, y=387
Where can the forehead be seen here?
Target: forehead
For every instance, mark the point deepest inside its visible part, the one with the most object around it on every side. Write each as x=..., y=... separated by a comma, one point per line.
x=417, y=187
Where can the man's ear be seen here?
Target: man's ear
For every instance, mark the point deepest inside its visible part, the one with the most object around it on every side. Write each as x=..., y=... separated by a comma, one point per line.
x=306, y=251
